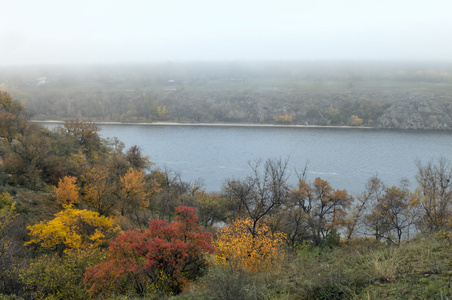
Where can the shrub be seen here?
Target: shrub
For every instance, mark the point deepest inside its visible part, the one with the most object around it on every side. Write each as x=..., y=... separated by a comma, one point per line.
x=55, y=277
x=163, y=259
x=224, y=282
x=72, y=229
x=236, y=246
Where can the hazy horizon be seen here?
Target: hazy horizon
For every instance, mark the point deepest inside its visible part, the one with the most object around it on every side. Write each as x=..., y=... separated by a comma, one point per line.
x=137, y=31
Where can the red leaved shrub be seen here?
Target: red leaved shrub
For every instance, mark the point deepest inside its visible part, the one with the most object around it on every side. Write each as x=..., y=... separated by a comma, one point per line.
x=163, y=259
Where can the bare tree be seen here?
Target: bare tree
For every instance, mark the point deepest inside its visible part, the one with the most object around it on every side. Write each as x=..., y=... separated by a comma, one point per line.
x=356, y=220
x=262, y=193
x=293, y=218
x=435, y=184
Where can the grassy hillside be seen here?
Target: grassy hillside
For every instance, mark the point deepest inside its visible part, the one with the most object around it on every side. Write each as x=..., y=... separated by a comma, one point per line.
x=358, y=269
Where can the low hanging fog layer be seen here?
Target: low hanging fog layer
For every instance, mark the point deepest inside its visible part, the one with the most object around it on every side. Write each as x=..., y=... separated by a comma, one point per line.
x=80, y=32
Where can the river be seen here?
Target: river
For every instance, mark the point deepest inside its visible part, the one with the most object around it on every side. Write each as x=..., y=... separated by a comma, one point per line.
x=344, y=157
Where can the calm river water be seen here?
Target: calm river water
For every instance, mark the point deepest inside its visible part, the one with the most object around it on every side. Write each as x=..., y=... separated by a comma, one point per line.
x=344, y=157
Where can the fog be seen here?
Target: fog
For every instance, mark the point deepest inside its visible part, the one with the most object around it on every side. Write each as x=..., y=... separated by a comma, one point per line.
x=138, y=31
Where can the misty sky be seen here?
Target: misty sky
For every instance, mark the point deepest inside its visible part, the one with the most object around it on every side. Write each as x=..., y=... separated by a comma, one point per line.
x=108, y=31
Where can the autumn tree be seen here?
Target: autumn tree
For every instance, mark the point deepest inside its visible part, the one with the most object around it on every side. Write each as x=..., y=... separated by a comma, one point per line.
x=136, y=159
x=397, y=208
x=72, y=229
x=162, y=112
x=98, y=184
x=325, y=209
x=133, y=191
x=356, y=121
x=260, y=194
x=237, y=246
x=435, y=185
x=11, y=121
x=392, y=213
x=115, y=160
x=98, y=190
x=162, y=259
x=67, y=192
x=284, y=118
x=7, y=129
x=86, y=134
x=135, y=196
x=28, y=157
x=212, y=207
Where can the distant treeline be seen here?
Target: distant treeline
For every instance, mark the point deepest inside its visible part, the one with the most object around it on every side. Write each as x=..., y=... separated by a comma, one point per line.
x=383, y=95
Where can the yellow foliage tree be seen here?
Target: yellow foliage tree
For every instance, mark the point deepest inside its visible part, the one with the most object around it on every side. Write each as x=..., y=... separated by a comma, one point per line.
x=73, y=229
x=67, y=192
x=356, y=121
x=284, y=118
x=133, y=190
x=98, y=182
x=135, y=193
x=236, y=245
x=162, y=112
x=98, y=189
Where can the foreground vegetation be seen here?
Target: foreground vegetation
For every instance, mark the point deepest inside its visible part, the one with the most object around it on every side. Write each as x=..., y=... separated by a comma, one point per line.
x=356, y=269
x=382, y=95
x=83, y=218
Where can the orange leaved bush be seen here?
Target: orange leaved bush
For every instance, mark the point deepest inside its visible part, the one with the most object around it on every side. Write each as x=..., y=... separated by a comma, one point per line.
x=67, y=192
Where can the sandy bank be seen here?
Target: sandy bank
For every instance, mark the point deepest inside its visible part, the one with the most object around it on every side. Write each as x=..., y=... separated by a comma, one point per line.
x=208, y=124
